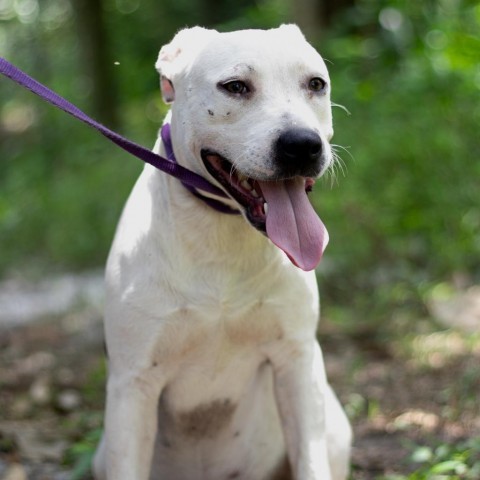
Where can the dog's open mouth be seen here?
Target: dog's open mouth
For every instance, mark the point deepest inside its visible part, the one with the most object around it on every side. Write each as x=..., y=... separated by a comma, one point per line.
x=278, y=208
x=244, y=190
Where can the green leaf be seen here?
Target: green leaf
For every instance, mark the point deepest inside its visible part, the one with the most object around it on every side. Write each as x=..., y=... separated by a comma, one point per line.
x=422, y=455
x=454, y=466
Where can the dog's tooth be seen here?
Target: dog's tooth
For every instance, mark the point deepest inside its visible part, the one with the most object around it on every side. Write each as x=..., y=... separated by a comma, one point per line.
x=265, y=207
x=254, y=193
x=245, y=184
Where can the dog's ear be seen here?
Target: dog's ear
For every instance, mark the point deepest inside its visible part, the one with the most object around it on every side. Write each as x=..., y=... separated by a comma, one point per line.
x=291, y=29
x=175, y=56
x=168, y=92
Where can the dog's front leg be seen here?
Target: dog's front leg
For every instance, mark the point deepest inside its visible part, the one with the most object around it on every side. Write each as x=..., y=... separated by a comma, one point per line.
x=300, y=389
x=130, y=424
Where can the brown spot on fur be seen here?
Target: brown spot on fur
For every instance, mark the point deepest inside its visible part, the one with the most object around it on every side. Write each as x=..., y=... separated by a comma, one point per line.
x=282, y=471
x=206, y=420
x=233, y=475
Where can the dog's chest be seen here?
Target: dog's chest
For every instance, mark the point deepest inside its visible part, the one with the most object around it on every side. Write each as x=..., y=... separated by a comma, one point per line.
x=213, y=353
x=224, y=329
x=212, y=341
x=212, y=337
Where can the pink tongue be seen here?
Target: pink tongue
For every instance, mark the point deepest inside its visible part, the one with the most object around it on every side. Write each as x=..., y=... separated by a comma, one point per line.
x=292, y=224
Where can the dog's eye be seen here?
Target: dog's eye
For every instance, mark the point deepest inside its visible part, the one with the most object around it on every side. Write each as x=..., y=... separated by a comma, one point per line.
x=317, y=84
x=236, y=87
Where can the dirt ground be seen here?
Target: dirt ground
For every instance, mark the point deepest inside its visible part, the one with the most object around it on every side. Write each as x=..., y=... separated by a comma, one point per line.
x=397, y=394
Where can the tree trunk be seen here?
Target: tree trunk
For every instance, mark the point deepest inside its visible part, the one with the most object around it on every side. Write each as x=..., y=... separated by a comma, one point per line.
x=330, y=8
x=315, y=16
x=96, y=60
x=307, y=15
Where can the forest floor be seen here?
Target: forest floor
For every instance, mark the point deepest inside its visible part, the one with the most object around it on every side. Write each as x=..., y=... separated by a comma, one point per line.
x=404, y=397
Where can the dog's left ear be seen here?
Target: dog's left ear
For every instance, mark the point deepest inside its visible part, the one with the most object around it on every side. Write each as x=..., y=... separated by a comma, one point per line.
x=175, y=56
x=291, y=29
x=168, y=92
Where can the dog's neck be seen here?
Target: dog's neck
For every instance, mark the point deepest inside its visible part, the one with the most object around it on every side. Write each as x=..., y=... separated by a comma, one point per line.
x=200, y=232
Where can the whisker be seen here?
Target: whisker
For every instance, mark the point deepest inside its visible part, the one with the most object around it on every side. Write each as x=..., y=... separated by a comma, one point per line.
x=234, y=163
x=338, y=165
x=345, y=149
x=342, y=107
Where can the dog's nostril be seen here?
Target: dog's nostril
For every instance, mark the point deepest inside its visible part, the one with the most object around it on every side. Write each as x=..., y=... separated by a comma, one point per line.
x=299, y=144
x=316, y=148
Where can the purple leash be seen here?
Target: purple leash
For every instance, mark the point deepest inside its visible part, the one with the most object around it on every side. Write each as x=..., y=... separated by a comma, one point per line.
x=191, y=180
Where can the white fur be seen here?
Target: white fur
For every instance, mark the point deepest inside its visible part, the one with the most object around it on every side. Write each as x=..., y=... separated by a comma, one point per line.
x=214, y=367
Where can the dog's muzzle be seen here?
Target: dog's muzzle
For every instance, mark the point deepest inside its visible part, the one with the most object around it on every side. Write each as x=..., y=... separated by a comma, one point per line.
x=279, y=207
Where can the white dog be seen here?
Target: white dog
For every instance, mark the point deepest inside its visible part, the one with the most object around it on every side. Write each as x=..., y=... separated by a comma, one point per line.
x=215, y=372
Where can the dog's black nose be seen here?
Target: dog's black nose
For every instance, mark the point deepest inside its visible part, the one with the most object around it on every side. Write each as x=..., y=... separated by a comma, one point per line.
x=299, y=152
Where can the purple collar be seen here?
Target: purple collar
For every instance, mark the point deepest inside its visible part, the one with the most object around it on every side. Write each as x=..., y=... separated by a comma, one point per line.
x=190, y=180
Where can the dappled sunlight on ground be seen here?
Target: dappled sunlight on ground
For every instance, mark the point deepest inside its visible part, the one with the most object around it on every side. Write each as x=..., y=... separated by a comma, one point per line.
x=419, y=389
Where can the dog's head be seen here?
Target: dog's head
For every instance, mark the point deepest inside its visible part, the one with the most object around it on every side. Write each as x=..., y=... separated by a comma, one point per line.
x=251, y=111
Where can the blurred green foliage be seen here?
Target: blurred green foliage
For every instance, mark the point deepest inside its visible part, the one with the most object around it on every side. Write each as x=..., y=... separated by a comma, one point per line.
x=445, y=462
x=406, y=214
